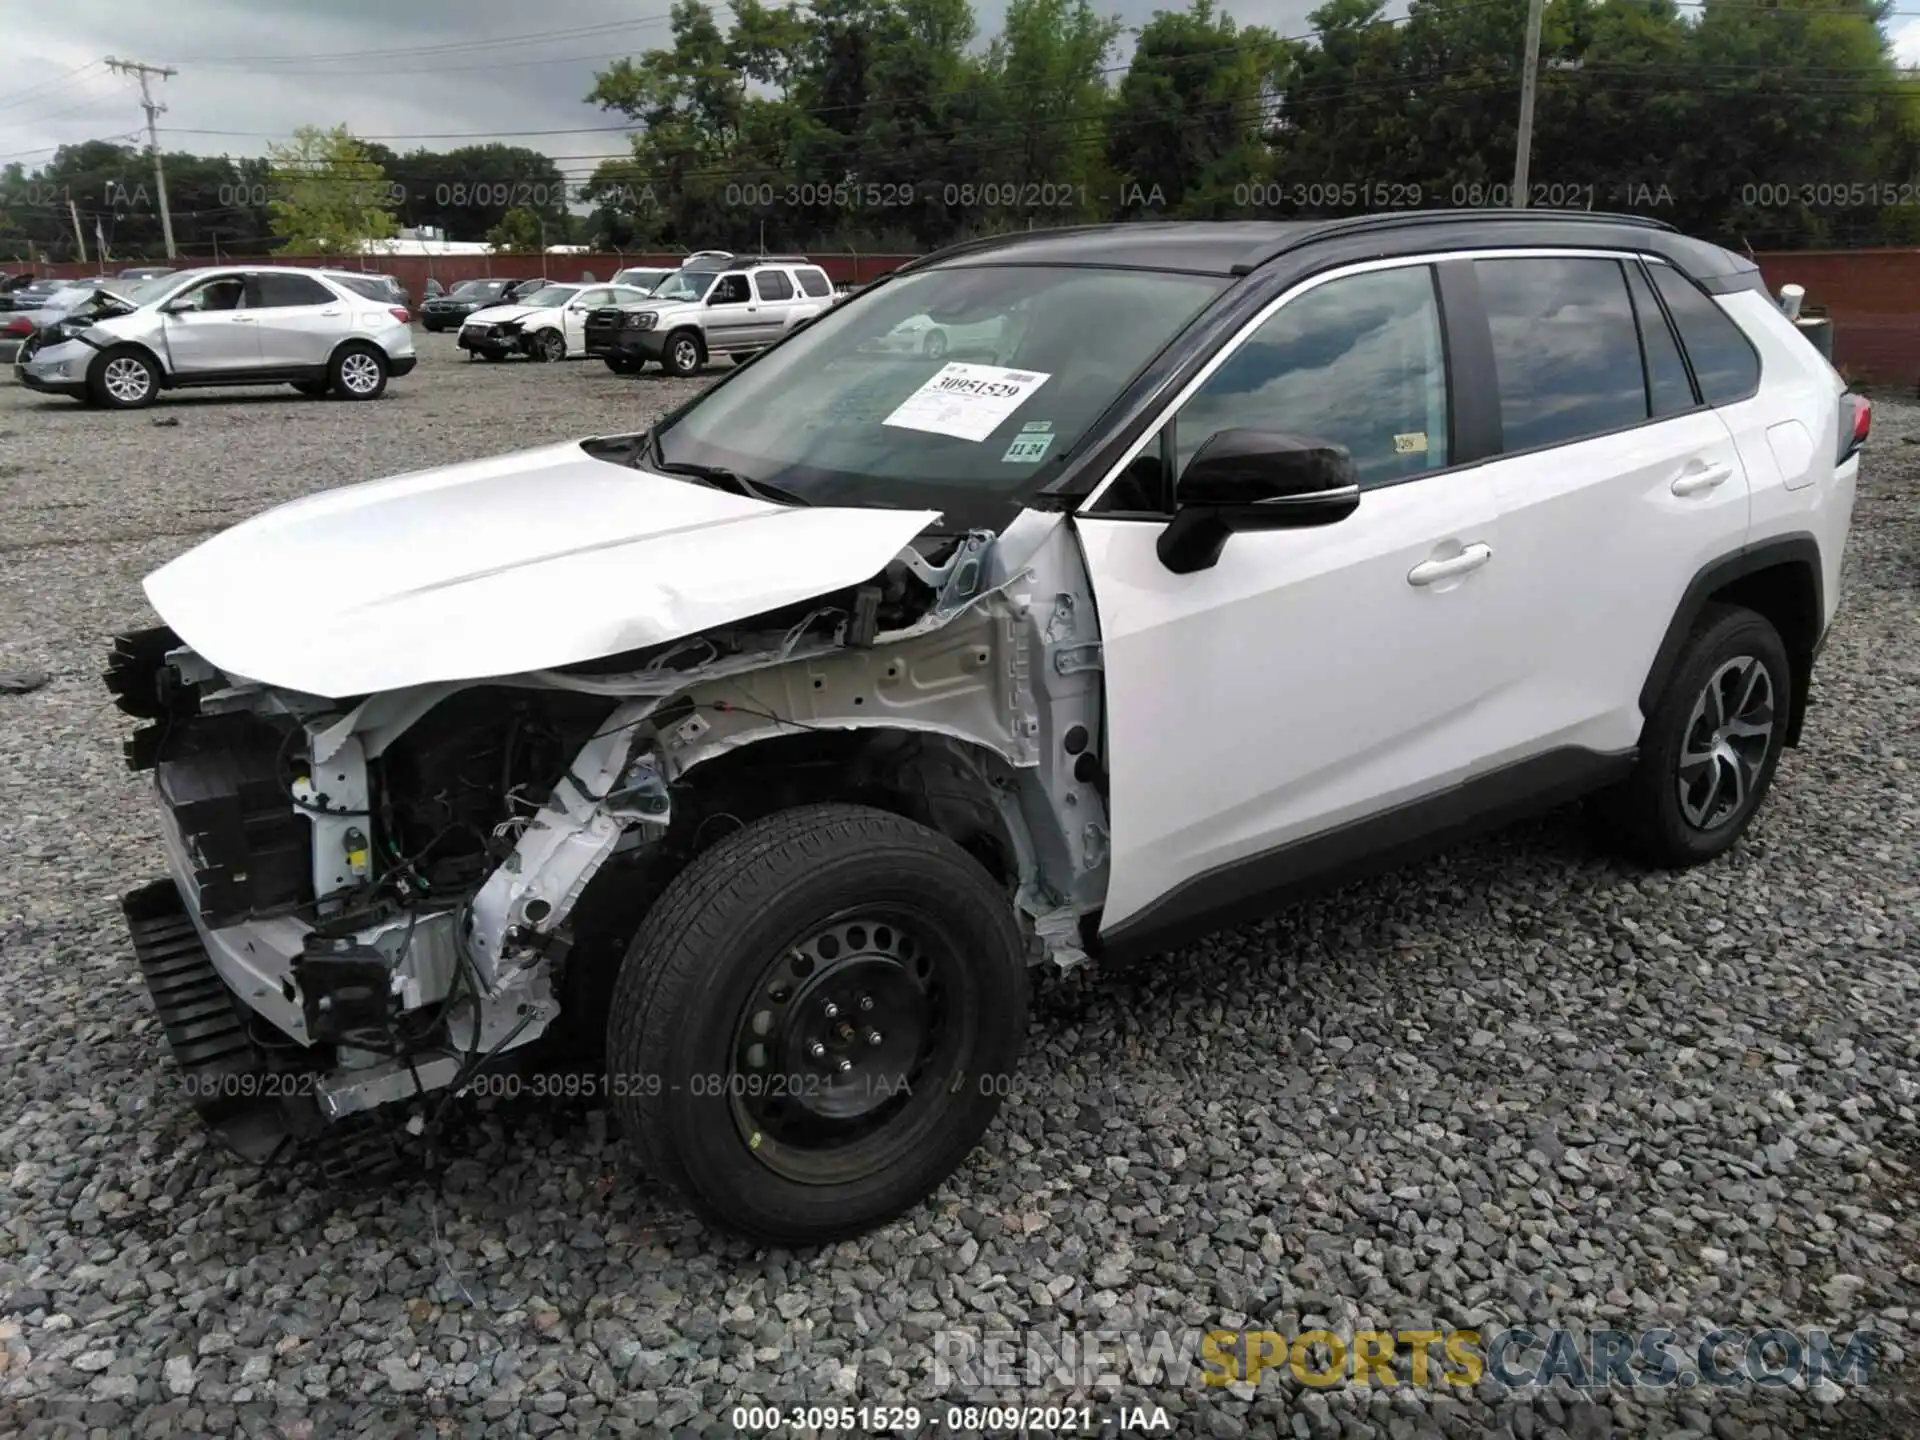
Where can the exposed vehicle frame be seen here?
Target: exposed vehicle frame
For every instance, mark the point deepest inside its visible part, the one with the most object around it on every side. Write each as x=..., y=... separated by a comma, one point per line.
x=945, y=694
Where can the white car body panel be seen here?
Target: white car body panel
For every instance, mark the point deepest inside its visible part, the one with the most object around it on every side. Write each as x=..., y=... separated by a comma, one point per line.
x=522, y=562
x=1799, y=384
x=1598, y=554
x=1299, y=682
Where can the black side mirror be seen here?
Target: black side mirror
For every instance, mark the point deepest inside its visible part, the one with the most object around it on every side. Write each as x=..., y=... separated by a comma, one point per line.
x=1255, y=480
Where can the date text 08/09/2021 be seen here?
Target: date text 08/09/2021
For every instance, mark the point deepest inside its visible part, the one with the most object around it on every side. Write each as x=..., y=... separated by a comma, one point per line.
x=960, y=1420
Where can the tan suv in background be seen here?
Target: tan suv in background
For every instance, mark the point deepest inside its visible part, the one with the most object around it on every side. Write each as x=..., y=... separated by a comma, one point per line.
x=710, y=307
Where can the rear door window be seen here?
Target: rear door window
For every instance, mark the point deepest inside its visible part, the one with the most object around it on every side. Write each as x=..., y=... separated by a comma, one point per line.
x=272, y=291
x=773, y=285
x=1566, y=351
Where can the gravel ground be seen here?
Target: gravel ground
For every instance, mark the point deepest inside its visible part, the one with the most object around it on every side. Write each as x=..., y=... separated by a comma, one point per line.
x=1521, y=1084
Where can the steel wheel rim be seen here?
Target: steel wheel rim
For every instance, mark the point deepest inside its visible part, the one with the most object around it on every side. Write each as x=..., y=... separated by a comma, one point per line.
x=359, y=373
x=815, y=1097
x=685, y=356
x=126, y=379
x=1725, y=744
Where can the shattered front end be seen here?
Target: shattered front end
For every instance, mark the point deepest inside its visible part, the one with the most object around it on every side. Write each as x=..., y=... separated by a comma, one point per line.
x=371, y=899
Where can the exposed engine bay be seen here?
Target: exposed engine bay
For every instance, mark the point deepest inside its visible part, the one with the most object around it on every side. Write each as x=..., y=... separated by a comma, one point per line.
x=383, y=894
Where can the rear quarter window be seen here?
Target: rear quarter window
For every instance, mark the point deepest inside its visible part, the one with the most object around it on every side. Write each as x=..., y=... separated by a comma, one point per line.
x=1724, y=362
x=815, y=282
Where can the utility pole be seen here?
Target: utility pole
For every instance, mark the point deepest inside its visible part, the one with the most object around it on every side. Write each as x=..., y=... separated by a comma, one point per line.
x=79, y=237
x=134, y=67
x=1529, y=78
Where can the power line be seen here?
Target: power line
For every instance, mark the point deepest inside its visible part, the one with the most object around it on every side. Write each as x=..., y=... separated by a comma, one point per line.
x=46, y=87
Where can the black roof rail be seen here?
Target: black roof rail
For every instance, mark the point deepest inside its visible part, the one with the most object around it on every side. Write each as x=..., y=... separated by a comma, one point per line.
x=1397, y=219
x=981, y=243
x=1306, y=232
x=747, y=262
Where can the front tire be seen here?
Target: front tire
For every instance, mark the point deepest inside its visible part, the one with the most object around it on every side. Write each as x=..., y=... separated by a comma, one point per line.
x=1710, y=747
x=123, y=379
x=358, y=372
x=550, y=346
x=682, y=356
x=817, y=1021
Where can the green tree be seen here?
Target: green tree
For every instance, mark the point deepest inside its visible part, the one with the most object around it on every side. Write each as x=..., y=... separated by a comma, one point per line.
x=520, y=229
x=1188, y=126
x=329, y=196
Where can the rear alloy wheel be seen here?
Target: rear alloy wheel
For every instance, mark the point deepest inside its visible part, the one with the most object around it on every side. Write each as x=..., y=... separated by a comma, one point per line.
x=1710, y=746
x=817, y=1021
x=682, y=355
x=124, y=380
x=358, y=372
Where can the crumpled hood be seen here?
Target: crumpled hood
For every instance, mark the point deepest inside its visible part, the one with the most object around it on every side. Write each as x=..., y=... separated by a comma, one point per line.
x=521, y=562
x=494, y=314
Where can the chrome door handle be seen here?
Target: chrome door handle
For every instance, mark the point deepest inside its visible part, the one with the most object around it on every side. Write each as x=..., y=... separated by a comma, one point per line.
x=1692, y=482
x=1469, y=559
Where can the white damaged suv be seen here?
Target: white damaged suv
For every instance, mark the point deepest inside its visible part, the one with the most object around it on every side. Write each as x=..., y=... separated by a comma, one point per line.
x=223, y=325
x=758, y=757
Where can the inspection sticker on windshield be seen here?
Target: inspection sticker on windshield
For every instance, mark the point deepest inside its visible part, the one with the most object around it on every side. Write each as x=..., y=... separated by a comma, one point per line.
x=966, y=401
x=1030, y=445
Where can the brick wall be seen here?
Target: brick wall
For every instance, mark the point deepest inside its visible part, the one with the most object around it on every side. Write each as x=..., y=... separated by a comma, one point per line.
x=1873, y=297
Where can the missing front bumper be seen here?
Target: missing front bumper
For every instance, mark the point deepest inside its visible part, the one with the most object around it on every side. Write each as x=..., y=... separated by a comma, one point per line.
x=265, y=1113
x=257, y=1112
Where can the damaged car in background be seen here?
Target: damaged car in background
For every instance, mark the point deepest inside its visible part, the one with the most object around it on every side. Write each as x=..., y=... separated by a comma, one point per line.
x=759, y=756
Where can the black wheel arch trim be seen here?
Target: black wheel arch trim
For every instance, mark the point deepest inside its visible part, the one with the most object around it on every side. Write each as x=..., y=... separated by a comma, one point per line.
x=1262, y=884
x=1798, y=549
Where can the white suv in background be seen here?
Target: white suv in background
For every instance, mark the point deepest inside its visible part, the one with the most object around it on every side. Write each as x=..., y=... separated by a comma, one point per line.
x=231, y=325
x=767, y=749
x=713, y=305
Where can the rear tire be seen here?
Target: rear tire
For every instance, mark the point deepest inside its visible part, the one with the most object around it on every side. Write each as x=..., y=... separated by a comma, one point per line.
x=358, y=372
x=817, y=1021
x=123, y=379
x=1710, y=746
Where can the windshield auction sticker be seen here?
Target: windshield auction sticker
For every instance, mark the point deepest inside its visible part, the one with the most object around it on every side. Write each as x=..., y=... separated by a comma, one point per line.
x=966, y=401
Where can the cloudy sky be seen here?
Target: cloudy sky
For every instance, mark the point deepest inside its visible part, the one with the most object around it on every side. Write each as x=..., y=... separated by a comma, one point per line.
x=434, y=73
